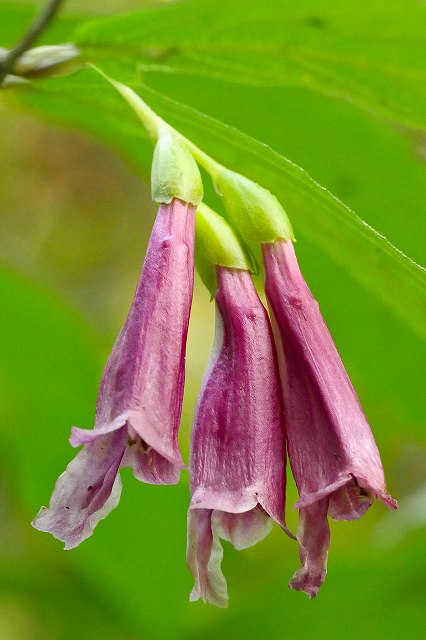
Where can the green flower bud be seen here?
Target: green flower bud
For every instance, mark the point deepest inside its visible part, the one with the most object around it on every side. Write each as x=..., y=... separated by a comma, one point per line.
x=254, y=211
x=216, y=245
x=44, y=60
x=174, y=171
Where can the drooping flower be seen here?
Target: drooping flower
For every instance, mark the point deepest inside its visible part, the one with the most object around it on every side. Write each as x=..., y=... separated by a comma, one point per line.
x=332, y=452
x=237, y=461
x=140, y=396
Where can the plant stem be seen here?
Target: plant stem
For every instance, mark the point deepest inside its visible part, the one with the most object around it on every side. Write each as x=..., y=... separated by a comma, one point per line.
x=153, y=123
x=34, y=31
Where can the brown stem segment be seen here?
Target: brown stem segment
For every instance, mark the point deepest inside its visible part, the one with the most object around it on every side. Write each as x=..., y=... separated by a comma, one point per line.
x=34, y=31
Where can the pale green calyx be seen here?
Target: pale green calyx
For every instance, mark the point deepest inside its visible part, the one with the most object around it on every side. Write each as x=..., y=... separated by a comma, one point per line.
x=254, y=211
x=174, y=171
x=216, y=245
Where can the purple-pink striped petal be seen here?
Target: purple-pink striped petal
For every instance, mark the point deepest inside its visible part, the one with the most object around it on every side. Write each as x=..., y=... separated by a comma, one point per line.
x=237, y=462
x=332, y=452
x=86, y=492
x=140, y=396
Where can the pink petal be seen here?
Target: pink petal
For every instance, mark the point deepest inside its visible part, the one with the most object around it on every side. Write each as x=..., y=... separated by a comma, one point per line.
x=237, y=462
x=149, y=466
x=140, y=394
x=205, y=528
x=158, y=440
x=144, y=376
x=314, y=540
x=329, y=439
x=80, y=437
x=86, y=492
x=242, y=530
x=237, y=446
x=204, y=558
x=349, y=502
x=332, y=452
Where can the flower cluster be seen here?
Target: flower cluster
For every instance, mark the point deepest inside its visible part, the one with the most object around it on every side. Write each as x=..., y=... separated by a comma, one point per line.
x=275, y=383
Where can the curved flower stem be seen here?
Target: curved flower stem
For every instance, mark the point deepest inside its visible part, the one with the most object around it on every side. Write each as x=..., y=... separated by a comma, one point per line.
x=154, y=124
x=33, y=32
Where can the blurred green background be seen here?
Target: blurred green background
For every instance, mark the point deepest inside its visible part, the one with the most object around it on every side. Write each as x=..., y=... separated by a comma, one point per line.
x=74, y=224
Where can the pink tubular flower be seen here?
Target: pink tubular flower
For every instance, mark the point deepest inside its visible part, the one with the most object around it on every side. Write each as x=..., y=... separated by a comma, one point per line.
x=331, y=449
x=140, y=395
x=237, y=462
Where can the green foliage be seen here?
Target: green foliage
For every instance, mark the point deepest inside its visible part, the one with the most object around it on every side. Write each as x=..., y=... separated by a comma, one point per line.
x=119, y=45
x=371, y=55
x=265, y=89
x=40, y=335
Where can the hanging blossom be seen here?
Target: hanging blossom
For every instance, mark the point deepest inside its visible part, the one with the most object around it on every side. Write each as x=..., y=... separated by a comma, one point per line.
x=140, y=396
x=238, y=447
x=332, y=452
x=237, y=462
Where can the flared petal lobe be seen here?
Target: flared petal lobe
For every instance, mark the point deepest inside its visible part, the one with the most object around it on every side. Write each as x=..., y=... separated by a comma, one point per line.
x=86, y=492
x=332, y=452
x=237, y=462
x=140, y=396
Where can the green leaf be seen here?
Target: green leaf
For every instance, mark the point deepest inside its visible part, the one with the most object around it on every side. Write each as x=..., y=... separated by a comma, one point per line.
x=313, y=211
x=86, y=100
x=377, y=61
x=49, y=338
x=16, y=17
x=261, y=41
